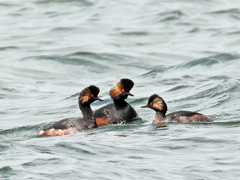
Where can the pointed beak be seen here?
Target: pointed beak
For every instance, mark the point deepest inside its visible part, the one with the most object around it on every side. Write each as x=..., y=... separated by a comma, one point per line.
x=146, y=106
x=130, y=94
x=97, y=98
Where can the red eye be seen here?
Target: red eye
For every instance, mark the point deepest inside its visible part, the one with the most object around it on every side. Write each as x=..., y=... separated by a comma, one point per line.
x=150, y=103
x=123, y=90
x=92, y=95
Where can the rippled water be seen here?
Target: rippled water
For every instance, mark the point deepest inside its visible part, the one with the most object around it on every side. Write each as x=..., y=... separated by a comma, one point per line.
x=186, y=51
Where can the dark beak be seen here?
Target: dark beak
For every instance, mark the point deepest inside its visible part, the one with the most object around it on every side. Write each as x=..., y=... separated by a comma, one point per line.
x=146, y=106
x=128, y=93
x=97, y=98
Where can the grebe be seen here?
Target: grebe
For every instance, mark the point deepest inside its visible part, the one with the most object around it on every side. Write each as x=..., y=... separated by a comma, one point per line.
x=157, y=103
x=72, y=125
x=119, y=111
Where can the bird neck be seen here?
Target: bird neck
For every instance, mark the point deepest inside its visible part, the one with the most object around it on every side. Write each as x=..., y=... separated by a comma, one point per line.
x=159, y=118
x=120, y=102
x=86, y=111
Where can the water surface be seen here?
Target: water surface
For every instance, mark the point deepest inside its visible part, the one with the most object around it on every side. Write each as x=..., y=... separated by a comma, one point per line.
x=185, y=51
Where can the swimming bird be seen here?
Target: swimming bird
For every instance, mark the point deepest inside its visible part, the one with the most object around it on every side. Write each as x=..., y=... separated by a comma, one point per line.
x=119, y=111
x=157, y=103
x=72, y=125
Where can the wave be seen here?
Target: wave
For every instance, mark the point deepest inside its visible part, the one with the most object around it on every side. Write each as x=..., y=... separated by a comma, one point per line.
x=171, y=15
x=211, y=60
x=20, y=133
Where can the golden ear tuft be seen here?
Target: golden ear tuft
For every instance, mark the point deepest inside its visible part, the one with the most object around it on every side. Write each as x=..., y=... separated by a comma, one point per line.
x=116, y=90
x=85, y=95
x=157, y=103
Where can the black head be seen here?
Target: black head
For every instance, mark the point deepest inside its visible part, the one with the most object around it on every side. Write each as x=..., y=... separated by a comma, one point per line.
x=156, y=103
x=89, y=95
x=127, y=84
x=121, y=89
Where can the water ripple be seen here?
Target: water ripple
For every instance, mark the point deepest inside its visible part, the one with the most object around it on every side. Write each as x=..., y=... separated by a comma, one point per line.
x=187, y=52
x=171, y=15
x=212, y=60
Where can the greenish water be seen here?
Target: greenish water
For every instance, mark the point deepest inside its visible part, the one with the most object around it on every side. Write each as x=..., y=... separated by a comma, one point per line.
x=185, y=51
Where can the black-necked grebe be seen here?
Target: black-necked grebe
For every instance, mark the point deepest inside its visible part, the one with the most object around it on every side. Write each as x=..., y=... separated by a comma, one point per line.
x=119, y=111
x=72, y=125
x=156, y=103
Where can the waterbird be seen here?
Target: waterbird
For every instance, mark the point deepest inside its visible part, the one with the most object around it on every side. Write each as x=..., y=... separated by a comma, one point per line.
x=119, y=111
x=157, y=103
x=74, y=124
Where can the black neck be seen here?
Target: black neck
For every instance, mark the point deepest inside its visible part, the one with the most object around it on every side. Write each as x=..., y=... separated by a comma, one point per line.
x=120, y=102
x=86, y=111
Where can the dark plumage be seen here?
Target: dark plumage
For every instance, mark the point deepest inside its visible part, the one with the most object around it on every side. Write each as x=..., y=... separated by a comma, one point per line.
x=119, y=111
x=71, y=125
x=156, y=103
